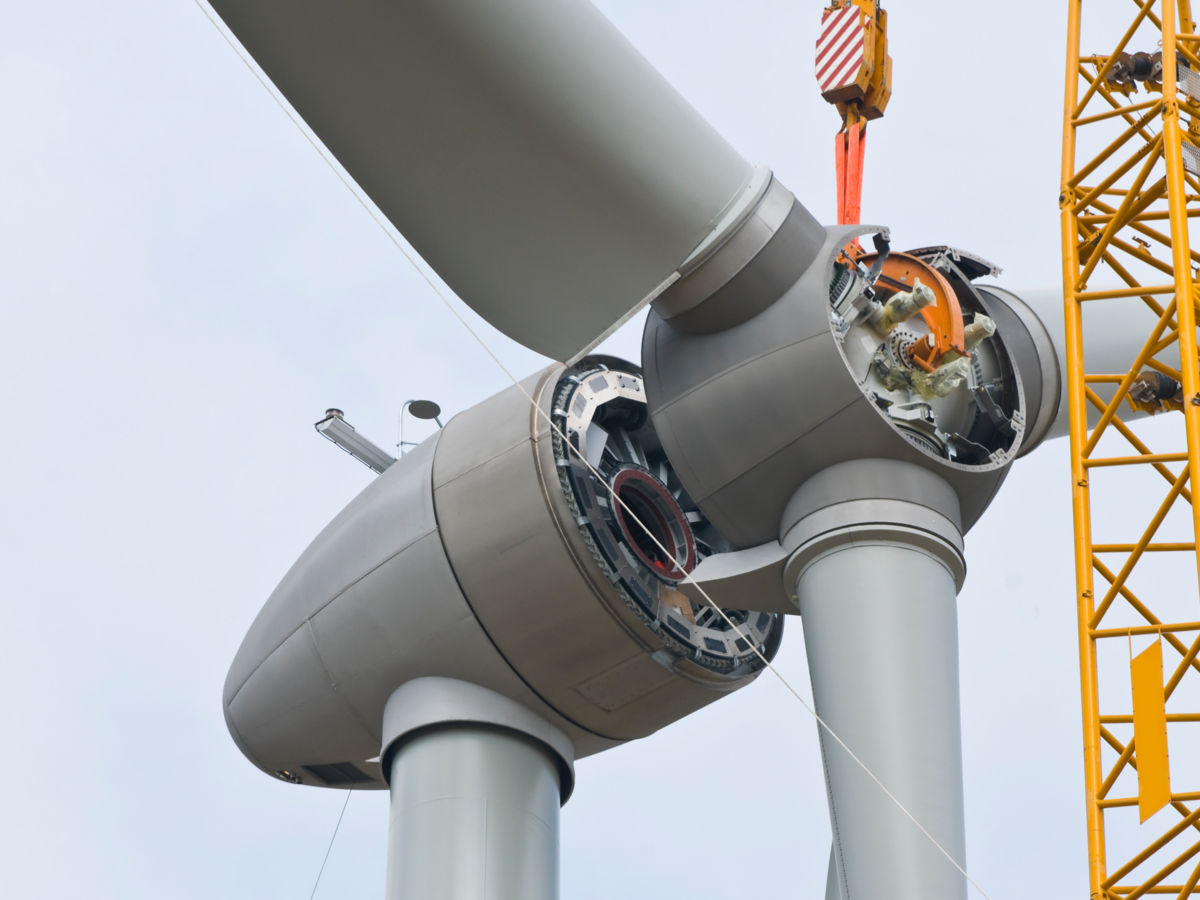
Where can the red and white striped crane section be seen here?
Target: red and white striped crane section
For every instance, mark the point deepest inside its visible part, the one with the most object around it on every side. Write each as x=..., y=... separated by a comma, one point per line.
x=840, y=48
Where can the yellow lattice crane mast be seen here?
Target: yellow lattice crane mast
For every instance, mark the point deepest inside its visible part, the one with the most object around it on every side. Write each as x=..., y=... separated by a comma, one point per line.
x=1130, y=182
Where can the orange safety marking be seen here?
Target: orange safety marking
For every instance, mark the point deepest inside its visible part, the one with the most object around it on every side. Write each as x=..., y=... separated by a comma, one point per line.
x=1150, y=730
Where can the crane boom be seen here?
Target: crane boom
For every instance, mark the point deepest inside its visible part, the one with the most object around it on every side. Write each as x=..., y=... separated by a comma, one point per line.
x=1130, y=182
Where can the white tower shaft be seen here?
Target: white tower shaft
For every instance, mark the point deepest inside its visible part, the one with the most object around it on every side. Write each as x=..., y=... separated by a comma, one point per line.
x=474, y=815
x=476, y=783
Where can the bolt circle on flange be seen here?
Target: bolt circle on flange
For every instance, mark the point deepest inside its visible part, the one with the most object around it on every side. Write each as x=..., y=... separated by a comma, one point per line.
x=606, y=450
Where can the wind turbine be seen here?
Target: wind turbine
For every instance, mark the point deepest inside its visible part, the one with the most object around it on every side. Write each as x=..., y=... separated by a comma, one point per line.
x=606, y=547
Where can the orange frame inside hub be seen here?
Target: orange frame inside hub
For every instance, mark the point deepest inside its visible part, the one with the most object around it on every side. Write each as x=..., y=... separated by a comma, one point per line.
x=945, y=320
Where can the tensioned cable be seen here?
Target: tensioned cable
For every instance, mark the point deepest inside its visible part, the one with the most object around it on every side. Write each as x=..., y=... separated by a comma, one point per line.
x=384, y=227
x=330, y=847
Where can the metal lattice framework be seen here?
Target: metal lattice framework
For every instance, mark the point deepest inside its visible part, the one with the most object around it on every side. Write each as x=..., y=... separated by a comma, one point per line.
x=1125, y=207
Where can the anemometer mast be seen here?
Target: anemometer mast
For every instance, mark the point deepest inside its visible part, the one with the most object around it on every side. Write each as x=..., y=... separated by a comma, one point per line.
x=1130, y=184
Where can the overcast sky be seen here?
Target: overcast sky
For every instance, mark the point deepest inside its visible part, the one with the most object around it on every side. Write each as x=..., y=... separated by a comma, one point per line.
x=185, y=287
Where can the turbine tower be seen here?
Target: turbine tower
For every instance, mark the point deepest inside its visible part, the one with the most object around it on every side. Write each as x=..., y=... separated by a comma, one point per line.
x=809, y=433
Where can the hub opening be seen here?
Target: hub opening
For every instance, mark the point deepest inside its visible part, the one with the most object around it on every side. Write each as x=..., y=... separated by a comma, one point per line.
x=664, y=544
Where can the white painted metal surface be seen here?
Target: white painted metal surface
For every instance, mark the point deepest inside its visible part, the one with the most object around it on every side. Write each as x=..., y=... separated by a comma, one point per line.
x=474, y=816
x=528, y=152
x=881, y=628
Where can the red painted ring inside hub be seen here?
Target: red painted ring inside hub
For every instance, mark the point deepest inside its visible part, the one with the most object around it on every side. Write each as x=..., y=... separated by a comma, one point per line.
x=652, y=505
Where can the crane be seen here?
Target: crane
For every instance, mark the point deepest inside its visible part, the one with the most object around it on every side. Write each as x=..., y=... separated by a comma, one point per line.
x=854, y=72
x=1130, y=184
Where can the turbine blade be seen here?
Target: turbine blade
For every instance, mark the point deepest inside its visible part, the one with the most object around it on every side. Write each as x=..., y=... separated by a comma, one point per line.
x=527, y=151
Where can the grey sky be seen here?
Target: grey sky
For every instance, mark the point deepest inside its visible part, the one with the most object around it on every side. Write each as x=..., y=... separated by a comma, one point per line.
x=185, y=287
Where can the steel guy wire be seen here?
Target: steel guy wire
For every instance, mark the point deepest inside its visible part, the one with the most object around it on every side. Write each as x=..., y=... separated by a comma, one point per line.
x=388, y=231
x=330, y=847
